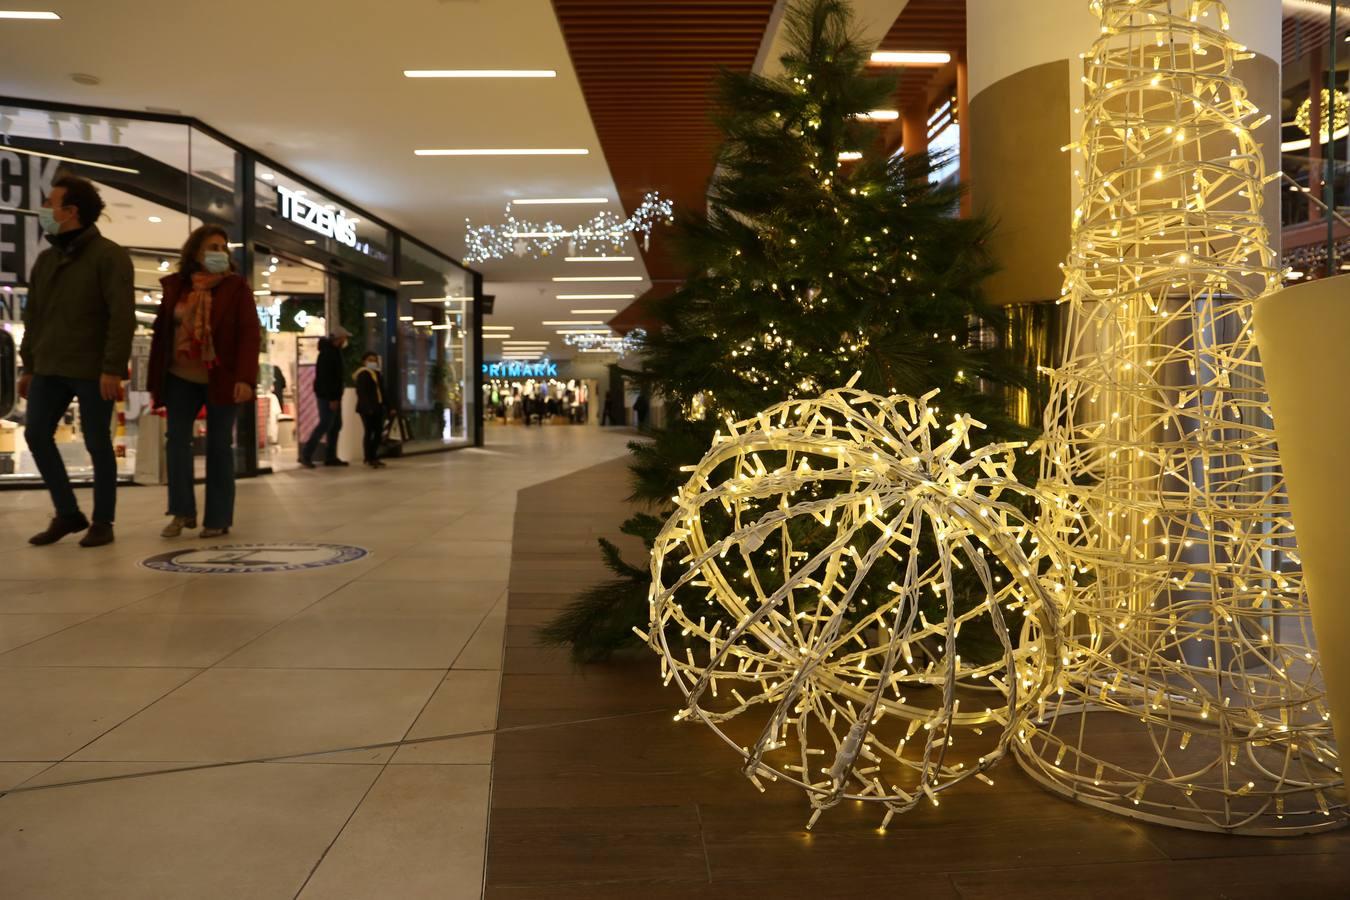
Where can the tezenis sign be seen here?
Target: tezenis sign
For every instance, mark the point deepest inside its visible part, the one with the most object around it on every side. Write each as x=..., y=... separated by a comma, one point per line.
x=314, y=217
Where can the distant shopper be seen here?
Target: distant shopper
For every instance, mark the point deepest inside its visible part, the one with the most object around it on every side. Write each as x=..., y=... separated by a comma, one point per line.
x=328, y=384
x=279, y=387
x=78, y=322
x=370, y=406
x=204, y=353
x=641, y=406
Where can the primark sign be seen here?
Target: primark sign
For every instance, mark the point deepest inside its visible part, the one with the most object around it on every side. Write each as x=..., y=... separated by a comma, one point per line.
x=544, y=368
x=316, y=217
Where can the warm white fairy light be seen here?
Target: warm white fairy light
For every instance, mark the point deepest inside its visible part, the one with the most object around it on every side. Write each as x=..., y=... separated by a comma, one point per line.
x=821, y=667
x=1162, y=665
x=597, y=342
x=1191, y=694
x=601, y=235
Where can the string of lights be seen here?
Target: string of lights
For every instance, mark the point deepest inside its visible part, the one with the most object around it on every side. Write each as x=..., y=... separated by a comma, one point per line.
x=605, y=233
x=1191, y=694
x=623, y=345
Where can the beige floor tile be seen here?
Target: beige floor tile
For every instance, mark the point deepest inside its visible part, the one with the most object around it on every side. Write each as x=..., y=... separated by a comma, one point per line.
x=484, y=650
x=142, y=640
x=240, y=714
x=17, y=629
x=14, y=774
x=442, y=569
x=465, y=701
x=277, y=596
x=371, y=597
x=349, y=642
x=420, y=833
x=454, y=548
x=239, y=832
x=47, y=714
x=64, y=595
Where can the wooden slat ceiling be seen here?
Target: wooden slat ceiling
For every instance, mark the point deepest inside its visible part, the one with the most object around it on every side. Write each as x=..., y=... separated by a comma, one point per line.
x=647, y=68
x=927, y=25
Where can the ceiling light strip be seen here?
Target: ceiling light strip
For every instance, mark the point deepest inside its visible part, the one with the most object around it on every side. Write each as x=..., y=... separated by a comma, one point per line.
x=507, y=151
x=560, y=201
x=479, y=73
x=576, y=278
x=70, y=159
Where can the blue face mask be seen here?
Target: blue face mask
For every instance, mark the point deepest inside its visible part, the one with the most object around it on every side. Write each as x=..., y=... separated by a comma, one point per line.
x=216, y=261
x=47, y=219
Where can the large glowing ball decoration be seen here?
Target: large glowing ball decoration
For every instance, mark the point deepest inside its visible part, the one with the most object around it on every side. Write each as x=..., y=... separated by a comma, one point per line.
x=826, y=564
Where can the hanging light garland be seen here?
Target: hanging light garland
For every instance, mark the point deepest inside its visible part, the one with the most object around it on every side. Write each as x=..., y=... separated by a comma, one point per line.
x=1337, y=119
x=623, y=345
x=605, y=232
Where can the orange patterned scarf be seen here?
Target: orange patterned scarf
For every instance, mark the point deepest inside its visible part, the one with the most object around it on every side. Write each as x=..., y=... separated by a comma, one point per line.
x=197, y=343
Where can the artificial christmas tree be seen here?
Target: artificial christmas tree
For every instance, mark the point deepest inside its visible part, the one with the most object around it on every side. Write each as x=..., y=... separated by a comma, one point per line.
x=806, y=268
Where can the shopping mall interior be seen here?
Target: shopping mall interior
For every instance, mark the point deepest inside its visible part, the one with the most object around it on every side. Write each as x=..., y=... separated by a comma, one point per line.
x=698, y=449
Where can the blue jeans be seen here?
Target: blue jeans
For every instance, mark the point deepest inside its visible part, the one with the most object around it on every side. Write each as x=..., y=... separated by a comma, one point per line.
x=183, y=400
x=49, y=397
x=330, y=423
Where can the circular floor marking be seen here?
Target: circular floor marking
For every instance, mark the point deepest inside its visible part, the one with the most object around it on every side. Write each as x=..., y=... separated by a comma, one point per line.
x=254, y=559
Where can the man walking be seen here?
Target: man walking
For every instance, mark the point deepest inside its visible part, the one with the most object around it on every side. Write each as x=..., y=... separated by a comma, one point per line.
x=78, y=323
x=329, y=381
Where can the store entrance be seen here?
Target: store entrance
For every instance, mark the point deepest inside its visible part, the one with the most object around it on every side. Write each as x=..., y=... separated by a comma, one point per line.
x=292, y=305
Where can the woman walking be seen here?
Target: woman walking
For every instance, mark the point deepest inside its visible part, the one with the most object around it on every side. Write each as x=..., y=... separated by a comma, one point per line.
x=370, y=407
x=204, y=353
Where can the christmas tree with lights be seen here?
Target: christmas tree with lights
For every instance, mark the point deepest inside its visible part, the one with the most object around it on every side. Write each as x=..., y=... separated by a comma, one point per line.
x=819, y=256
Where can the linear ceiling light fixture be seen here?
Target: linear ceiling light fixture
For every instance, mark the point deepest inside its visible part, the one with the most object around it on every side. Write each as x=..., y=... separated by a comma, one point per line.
x=561, y=201
x=911, y=58
x=598, y=278
x=880, y=115
x=601, y=259
x=572, y=322
x=508, y=151
x=30, y=14
x=480, y=73
x=849, y=156
x=597, y=296
x=70, y=159
x=594, y=312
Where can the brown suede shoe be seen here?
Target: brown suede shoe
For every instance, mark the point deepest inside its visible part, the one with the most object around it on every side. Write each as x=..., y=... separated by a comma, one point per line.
x=99, y=533
x=60, y=527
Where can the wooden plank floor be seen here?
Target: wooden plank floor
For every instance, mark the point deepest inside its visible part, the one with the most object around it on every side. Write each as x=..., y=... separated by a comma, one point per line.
x=640, y=807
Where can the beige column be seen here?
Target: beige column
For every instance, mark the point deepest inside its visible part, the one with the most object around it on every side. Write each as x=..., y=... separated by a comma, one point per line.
x=1024, y=84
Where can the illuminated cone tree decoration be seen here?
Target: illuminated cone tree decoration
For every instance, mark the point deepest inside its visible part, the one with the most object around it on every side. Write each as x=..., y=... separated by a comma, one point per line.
x=1191, y=693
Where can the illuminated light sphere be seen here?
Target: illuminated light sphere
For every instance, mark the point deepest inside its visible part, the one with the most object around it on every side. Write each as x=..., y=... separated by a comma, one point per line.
x=1191, y=695
x=827, y=564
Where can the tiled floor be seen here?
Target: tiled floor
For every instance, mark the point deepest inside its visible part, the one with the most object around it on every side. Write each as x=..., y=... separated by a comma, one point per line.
x=122, y=691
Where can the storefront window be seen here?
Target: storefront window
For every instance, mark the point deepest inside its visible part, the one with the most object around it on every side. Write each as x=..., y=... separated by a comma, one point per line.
x=435, y=347
x=290, y=294
x=143, y=171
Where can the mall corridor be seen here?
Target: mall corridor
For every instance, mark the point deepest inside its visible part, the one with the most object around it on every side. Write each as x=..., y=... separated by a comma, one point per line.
x=129, y=698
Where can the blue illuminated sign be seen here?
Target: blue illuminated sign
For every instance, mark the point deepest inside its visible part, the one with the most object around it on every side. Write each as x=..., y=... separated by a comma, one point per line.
x=545, y=368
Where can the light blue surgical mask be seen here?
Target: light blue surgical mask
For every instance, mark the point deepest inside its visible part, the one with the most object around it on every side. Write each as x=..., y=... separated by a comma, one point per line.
x=216, y=261
x=47, y=219
x=373, y=365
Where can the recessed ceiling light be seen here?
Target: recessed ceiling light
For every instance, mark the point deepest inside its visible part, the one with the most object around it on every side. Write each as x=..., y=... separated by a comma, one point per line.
x=586, y=259
x=880, y=115
x=561, y=201
x=911, y=58
x=594, y=312
x=598, y=278
x=371, y=315
x=422, y=322
x=267, y=176
x=407, y=283
x=849, y=156
x=86, y=79
x=405, y=318
x=30, y=14
x=155, y=219
x=499, y=328
x=262, y=293
x=597, y=296
x=578, y=322
x=479, y=73
x=517, y=151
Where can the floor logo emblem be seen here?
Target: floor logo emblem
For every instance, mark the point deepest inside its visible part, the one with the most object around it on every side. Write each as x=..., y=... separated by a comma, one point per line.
x=254, y=559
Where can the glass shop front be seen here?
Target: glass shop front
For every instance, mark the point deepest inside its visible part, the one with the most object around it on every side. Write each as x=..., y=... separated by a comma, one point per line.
x=313, y=261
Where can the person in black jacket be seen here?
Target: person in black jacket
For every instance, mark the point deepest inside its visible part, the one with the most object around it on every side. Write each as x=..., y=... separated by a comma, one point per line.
x=370, y=406
x=328, y=385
